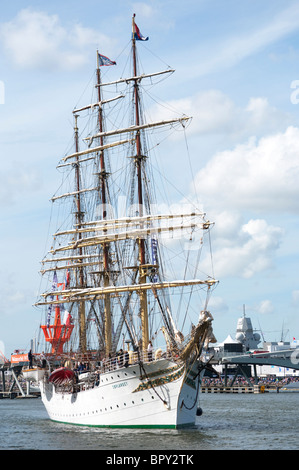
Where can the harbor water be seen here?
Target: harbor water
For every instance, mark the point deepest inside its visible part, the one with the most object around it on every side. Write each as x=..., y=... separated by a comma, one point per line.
x=266, y=421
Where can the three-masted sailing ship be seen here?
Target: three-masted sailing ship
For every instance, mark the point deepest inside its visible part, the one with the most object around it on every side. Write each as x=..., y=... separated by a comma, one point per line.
x=115, y=352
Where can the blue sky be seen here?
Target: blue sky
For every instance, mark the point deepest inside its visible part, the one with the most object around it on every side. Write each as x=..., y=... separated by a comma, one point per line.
x=235, y=64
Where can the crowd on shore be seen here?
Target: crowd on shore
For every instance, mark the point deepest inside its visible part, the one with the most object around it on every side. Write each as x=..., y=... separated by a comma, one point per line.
x=240, y=381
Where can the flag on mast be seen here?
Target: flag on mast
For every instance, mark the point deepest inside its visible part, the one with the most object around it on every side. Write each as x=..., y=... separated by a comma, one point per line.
x=136, y=32
x=103, y=60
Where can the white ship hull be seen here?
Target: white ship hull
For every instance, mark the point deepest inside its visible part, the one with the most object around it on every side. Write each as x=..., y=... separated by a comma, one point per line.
x=123, y=398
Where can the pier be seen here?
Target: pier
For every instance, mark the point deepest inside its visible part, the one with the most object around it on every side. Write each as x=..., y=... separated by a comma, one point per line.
x=288, y=358
x=284, y=358
x=255, y=388
x=11, y=385
x=240, y=364
x=245, y=365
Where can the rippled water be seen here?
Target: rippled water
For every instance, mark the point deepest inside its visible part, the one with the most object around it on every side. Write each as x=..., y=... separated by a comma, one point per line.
x=229, y=421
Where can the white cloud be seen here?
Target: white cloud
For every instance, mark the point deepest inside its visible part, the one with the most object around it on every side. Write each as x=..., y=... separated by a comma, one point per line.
x=213, y=112
x=35, y=39
x=257, y=176
x=16, y=297
x=218, y=304
x=17, y=179
x=151, y=13
x=11, y=296
x=295, y=298
x=143, y=9
x=263, y=241
x=244, y=250
x=265, y=307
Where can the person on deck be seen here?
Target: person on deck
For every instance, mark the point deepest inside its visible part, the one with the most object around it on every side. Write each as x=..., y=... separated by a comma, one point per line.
x=30, y=358
x=127, y=358
x=120, y=358
x=150, y=351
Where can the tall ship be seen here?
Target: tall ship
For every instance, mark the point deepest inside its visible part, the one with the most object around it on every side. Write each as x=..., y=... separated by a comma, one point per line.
x=125, y=335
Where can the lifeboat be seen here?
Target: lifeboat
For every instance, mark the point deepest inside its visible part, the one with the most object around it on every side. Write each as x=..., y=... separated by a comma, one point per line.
x=34, y=374
x=61, y=376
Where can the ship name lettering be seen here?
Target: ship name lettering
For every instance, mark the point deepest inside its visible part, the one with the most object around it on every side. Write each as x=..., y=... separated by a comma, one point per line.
x=122, y=384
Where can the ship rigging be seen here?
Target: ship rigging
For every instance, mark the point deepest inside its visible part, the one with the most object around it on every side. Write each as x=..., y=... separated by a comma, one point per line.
x=110, y=284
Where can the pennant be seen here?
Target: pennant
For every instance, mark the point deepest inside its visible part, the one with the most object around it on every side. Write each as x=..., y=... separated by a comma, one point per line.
x=64, y=285
x=55, y=281
x=54, y=288
x=103, y=60
x=154, y=256
x=137, y=34
x=67, y=279
x=67, y=318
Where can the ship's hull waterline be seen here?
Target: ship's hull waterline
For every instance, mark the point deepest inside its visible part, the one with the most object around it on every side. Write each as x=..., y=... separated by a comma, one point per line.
x=165, y=397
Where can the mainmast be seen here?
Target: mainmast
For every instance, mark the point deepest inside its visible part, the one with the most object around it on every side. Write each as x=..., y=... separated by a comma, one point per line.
x=138, y=159
x=102, y=177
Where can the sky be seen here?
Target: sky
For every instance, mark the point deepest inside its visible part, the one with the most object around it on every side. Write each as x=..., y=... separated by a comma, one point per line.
x=237, y=75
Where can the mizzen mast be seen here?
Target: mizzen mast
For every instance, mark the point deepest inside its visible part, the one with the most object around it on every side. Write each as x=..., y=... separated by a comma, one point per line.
x=79, y=219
